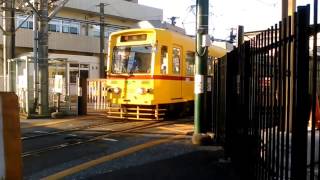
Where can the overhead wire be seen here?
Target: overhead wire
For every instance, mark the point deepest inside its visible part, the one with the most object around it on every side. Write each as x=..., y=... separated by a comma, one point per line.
x=189, y=9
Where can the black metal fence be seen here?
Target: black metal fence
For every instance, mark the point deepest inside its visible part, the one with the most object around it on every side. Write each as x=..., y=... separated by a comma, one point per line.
x=264, y=91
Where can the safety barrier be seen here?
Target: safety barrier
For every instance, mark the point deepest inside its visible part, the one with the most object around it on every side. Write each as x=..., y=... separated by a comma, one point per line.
x=98, y=94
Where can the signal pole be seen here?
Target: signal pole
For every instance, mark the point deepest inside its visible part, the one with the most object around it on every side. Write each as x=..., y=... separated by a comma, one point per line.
x=200, y=86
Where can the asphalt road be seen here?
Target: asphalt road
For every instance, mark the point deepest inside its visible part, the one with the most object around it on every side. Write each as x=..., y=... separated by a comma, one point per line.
x=129, y=149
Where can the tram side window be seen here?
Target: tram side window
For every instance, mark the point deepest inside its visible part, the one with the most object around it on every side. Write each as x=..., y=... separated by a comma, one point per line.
x=190, y=58
x=164, y=60
x=176, y=60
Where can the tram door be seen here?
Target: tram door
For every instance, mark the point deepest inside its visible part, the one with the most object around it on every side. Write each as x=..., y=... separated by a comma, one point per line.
x=176, y=71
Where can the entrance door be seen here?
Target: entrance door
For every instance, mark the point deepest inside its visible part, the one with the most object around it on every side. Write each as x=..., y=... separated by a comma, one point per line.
x=82, y=100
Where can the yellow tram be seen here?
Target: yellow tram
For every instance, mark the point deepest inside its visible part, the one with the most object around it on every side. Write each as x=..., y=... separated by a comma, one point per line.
x=150, y=72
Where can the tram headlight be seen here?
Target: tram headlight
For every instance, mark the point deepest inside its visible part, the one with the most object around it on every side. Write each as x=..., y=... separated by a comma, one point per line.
x=141, y=91
x=116, y=90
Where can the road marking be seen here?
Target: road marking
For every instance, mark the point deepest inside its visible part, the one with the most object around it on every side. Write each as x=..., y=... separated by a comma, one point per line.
x=109, y=139
x=41, y=132
x=175, y=130
x=110, y=157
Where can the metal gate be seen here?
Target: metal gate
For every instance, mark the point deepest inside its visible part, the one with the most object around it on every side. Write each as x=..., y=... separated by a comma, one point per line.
x=265, y=91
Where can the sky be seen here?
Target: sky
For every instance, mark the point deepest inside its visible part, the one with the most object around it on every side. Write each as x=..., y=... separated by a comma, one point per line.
x=224, y=14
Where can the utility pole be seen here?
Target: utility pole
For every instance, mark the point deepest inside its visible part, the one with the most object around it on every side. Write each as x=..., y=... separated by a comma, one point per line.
x=35, y=55
x=8, y=40
x=43, y=58
x=200, y=86
x=102, y=40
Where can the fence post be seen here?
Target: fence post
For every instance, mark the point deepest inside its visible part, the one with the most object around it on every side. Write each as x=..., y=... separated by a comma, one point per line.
x=10, y=140
x=301, y=105
x=230, y=90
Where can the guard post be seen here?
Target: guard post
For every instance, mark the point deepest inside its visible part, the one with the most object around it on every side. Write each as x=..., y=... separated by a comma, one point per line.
x=10, y=138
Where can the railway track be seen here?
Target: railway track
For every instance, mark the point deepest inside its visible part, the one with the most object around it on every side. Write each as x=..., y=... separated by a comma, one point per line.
x=96, y=138
x=65, y=121
x=69, y=130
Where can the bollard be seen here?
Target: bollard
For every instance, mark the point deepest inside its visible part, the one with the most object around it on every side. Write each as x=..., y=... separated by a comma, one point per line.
x=10, y=139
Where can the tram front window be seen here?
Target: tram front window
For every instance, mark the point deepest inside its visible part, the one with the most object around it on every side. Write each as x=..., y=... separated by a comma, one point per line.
x=131, y=59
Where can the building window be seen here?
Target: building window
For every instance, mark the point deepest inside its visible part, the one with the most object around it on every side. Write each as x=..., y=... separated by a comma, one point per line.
x=70, y=27
x=74, y=30
x=65, y=26
x=74, y=65
x=26, y=25
x=84, y=66
x=55, y=25
x=30, y=24
x=110, y=30
x=52, y=28
x=95, y=31
x=107, y=31
x=73, y=76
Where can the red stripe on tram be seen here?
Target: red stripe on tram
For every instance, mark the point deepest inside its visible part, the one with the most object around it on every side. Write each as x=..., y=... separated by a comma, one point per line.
x=149, y=77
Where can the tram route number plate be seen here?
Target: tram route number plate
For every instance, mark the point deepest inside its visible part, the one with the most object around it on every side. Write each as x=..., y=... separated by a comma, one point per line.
x=199, y=84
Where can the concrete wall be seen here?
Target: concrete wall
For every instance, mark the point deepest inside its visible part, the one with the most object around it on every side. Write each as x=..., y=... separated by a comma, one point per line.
x=90, y=16
x=124, y=9
x=59, y=41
